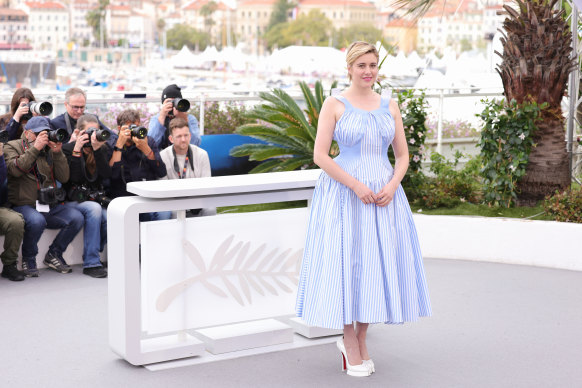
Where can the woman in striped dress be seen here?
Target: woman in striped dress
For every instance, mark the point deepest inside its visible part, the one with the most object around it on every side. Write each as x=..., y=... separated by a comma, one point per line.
x=362, y=262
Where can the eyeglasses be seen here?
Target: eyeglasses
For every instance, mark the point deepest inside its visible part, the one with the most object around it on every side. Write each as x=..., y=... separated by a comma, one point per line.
x=77, y=107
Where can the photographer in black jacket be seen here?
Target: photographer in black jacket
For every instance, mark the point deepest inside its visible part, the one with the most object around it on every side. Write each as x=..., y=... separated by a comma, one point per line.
x=88, y=159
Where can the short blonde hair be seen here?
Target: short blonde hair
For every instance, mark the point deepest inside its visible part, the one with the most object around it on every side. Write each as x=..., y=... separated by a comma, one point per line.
x=356, y=50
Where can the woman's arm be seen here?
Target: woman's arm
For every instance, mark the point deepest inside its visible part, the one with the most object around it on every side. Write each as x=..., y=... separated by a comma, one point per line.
x=401, y=154
x=331, y=110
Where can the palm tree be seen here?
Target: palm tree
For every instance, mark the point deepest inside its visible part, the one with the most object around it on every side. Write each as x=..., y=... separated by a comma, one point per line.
x=536, y=62
x=288, y=131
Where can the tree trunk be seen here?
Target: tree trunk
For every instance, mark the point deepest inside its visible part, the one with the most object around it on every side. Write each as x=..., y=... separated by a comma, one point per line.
x=547, y=169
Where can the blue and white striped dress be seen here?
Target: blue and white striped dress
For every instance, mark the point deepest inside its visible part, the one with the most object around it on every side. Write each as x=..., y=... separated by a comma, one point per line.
x=361, y=262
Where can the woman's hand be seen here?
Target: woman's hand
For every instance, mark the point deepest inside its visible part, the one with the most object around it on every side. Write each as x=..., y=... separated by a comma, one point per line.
x=385, y=196
x=22, y=110
x=365, y=194
x=81, y=139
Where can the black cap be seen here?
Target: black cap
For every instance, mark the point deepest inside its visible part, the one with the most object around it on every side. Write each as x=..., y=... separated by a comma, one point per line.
x=171, y=91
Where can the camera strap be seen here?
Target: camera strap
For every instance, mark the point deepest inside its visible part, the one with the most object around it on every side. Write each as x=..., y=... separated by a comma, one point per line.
x=189, y=158
x=68, y=123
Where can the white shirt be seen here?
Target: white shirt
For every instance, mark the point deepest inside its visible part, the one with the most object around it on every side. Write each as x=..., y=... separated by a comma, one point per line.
x=199, y=158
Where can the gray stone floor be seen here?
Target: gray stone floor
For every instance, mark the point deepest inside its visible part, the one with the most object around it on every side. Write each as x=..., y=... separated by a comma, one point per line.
x=494, y=325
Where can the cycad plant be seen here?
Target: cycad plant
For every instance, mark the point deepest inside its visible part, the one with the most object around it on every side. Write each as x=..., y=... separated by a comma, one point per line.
x=536, y=63
x=288, y=131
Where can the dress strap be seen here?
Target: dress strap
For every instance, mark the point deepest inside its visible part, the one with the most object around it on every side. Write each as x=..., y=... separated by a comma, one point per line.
x=386, y=96
x=343, y=100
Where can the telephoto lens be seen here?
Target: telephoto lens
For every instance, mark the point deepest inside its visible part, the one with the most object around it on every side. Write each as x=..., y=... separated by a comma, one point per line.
x=100, y=134
x=58, y=135
x=137, y=131
x=43, y=108
x=181, y=104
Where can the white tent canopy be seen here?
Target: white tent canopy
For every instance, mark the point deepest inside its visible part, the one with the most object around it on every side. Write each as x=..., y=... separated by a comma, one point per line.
x=184, y=59
x=307, y=59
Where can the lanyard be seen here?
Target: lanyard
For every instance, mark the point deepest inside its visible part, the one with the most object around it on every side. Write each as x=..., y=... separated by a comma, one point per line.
x=186, y=161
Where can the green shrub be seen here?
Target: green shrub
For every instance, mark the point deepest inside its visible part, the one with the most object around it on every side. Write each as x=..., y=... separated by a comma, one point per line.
x=450, y=185
x=506, y=141
x=221, y=117
x=565, y=206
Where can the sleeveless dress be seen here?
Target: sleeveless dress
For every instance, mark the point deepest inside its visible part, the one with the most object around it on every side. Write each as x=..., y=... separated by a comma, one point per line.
x=361, y=262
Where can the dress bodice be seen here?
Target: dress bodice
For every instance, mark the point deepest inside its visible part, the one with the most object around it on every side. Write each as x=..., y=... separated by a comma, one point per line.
x=363, y=138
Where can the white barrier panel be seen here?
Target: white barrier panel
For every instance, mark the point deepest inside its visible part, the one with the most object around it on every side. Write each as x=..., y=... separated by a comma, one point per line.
x=212, y=271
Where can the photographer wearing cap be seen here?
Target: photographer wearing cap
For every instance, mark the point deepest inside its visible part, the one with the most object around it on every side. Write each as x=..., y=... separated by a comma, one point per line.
x=135, y=157
x=172, y=107
x=13, y=122
x=88, y=159
x=75, y=104
x=35, y=163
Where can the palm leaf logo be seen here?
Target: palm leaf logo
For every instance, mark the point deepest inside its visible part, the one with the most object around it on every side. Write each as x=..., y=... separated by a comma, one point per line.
x=236, y=269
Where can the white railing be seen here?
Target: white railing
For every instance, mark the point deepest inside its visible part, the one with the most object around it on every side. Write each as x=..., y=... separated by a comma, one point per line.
x=442, y=102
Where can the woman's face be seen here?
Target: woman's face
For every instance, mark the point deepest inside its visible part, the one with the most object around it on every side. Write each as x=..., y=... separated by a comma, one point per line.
x=364, y=70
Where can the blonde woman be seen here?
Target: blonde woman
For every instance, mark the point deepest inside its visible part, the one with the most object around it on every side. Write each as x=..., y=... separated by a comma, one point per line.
x=362, y=262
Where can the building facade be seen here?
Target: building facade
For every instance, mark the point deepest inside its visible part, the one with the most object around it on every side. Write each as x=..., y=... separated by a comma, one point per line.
x=342, y=13
x=48, y=25
x=13, y=29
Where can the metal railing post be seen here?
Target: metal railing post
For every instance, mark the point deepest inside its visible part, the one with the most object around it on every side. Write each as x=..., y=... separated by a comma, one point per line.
x=440, y=123
x=201, y=122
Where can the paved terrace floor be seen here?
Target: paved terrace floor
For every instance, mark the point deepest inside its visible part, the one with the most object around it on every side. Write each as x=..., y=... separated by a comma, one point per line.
x=494, y=325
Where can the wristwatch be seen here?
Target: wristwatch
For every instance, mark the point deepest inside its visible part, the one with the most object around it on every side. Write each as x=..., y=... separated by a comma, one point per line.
x=116, y=148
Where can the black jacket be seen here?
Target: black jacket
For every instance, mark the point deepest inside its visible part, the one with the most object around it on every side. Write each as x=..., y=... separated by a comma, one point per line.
x=78, y=172
x=134, y=166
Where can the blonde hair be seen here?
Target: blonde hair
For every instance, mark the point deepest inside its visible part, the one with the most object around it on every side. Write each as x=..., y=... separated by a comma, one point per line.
x=356, y=50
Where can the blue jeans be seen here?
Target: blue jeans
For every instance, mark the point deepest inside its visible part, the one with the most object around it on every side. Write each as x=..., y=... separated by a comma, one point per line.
x=94, y=231
x=154, y=216
x=67, y=219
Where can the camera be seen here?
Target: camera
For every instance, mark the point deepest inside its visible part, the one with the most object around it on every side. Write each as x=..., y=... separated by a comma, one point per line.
x=99, y=197
x=51, y=195
x=58, y=135
x=137, y=131
x=4, y=136
x=43, y=108
x=181, y=104
x=101, y=135
x=83, y=193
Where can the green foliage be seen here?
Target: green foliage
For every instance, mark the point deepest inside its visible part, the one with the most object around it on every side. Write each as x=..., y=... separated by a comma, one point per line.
x=222, y=117
x=450, y=186
x=413, y=111
x=506, y=142
x=280, y=11
x=289, y=131
x=364, y=31
x=565, y=206
x=182, y=34
x=312, y=29
x=94, y=18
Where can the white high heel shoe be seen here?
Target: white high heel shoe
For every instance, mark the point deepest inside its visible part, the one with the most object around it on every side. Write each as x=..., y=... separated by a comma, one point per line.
x=361, y=370
x=370, y=365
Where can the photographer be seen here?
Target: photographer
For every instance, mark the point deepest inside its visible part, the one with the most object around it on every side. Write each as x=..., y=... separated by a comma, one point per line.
x=184, y=160
x=135, y=157
x=12, y=227
x=89, y=166
x=35, y=163
x=13, y=122
x=160, y=124
x=75, y=104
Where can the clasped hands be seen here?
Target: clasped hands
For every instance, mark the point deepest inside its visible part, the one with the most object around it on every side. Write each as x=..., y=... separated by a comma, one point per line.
x=382, y=198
